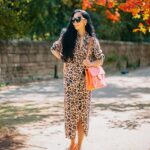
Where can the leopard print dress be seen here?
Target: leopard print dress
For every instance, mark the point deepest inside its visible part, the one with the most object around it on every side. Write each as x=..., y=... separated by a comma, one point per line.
x=76, y=98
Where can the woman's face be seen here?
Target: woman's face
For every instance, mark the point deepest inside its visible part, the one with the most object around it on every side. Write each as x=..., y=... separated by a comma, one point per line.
x=78, y=21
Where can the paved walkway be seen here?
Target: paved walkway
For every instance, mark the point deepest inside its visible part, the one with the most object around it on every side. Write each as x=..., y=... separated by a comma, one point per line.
x=120, y=113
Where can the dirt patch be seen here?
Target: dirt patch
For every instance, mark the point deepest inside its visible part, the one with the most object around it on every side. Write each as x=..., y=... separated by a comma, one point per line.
x=126, y=124
x=11, y=139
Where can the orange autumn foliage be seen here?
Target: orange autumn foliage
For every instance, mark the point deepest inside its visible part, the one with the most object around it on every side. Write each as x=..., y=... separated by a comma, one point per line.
x=138, y=9
x=86, y=4
x=111, y=3
x=114, y=17
x=101, y=2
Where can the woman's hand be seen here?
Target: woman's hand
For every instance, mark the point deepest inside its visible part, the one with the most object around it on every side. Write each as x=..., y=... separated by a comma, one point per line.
x=56, y=54
x=95, y=63
x=86, y=63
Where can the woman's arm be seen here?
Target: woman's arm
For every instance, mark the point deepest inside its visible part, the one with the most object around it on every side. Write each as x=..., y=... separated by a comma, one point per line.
x=64, y=68
x=55, y=49
x=95, y=63
x=99, y=56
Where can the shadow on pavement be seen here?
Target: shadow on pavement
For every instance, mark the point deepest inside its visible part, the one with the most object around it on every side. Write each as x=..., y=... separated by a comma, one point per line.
x=29, y=113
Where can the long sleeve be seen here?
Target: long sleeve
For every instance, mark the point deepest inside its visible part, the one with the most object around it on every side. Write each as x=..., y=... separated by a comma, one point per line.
x=97, y=51
x=57, y=45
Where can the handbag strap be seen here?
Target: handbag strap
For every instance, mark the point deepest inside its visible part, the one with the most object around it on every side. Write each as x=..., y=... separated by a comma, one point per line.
x=89, y=47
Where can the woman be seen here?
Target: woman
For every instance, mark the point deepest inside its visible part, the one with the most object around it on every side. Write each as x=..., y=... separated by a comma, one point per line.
x=72, y=47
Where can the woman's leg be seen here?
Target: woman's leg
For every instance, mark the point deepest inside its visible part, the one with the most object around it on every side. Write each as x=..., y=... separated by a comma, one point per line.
x=80, y=135
x=72, y=144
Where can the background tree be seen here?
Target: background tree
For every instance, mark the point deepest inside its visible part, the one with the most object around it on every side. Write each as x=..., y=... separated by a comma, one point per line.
x=43, y=20
x=12, y=25
x=140, y=9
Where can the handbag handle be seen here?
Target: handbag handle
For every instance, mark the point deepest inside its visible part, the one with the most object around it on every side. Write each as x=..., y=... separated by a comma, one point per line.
x=89, y=47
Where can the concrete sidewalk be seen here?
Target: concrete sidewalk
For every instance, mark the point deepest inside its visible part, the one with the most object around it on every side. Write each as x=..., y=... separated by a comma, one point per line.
x=119, y=120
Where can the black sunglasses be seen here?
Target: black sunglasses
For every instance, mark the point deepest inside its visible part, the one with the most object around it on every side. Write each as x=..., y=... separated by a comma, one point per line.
x=77, y=19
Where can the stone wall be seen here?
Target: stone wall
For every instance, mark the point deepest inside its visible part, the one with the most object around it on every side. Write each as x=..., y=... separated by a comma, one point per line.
x=125, y=55
x=25, y=61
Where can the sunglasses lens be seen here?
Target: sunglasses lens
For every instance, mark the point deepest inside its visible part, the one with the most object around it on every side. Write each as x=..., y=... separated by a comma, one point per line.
x=78, y=19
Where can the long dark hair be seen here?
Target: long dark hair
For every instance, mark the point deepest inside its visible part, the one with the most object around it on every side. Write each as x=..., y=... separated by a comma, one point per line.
x=70, y=35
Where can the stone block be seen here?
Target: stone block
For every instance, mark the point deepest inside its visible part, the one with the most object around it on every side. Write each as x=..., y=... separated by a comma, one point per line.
x=0, y=59
x=24, y=58
x=4, y=59
x=45, y=57
x=32, y=58
x=16, y=58
x=39, y=57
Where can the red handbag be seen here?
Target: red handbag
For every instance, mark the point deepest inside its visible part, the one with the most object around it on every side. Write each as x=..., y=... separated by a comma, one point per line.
x=94, y=76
